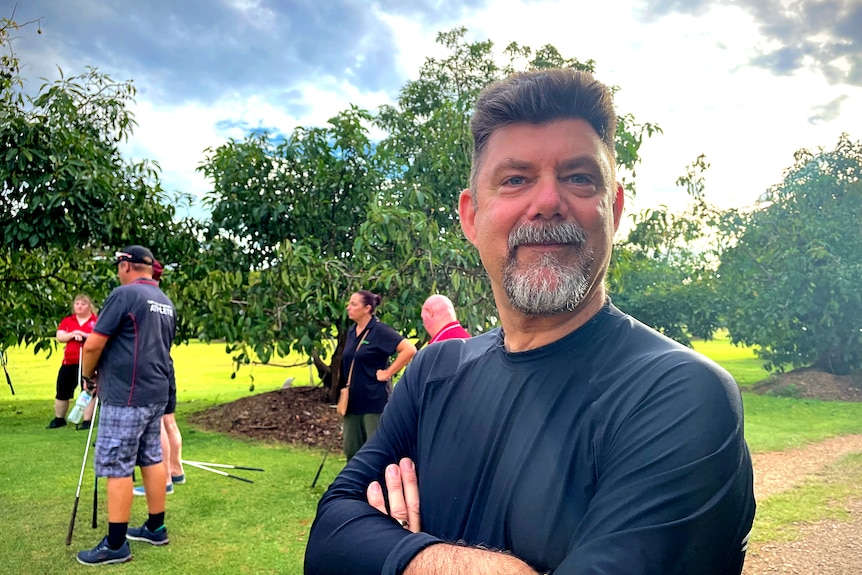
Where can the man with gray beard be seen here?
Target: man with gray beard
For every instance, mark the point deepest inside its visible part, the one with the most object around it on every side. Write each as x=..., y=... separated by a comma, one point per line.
x=573, y=439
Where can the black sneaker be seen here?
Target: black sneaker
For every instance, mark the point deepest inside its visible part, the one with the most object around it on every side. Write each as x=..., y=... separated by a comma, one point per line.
x=103, y=554
x=83, y=426
x=142, y=533
x=56, y=422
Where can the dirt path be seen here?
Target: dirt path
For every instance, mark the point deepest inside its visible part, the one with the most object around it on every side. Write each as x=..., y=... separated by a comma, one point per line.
x=824, y=548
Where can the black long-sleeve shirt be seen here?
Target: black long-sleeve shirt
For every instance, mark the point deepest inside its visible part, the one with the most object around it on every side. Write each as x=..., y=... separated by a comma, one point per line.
x=613, y=450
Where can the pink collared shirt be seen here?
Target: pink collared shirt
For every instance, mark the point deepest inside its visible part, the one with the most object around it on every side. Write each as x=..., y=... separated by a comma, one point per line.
x=450, y=331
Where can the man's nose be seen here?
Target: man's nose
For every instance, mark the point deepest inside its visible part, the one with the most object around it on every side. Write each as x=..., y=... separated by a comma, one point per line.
x=547, y=200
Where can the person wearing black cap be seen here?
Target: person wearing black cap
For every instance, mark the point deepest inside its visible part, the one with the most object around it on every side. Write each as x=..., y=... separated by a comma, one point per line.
x=129, y=354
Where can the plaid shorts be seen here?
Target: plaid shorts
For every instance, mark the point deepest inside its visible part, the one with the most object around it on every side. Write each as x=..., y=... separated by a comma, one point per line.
x=128, y=436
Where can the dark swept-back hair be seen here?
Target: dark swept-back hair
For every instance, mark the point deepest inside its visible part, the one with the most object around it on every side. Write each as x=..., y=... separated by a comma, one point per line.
x=542, y=96
x=369, y=298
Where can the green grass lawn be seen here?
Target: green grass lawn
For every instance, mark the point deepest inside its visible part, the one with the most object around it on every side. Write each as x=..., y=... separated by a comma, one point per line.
x=746, y=368
x=217, y=525
x=222, y=526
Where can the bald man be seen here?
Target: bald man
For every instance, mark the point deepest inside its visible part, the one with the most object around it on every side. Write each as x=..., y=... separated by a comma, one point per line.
x=438, y=317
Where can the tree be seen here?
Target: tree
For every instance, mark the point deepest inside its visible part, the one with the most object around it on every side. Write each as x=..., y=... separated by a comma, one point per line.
x=69, y=198
x=663, y=273
x=309, y=218
x=795, y=269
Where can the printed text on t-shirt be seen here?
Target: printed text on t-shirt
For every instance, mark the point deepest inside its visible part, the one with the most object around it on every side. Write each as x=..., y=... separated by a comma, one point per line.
x=161, y=308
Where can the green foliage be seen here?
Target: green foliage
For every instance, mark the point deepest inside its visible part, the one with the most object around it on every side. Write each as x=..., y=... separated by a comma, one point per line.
x=794, y=269
x=664, y=272
x=301, y=223
x=70, y=199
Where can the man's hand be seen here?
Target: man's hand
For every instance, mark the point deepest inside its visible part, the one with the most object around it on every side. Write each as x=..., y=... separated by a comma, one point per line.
x=91, y=384
x=403, y=488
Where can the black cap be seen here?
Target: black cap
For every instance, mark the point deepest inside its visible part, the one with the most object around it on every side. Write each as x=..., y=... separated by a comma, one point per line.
x=135, y=255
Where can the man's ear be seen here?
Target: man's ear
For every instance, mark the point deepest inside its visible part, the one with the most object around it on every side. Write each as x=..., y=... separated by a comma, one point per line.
x=467, y=213
x=619, y=201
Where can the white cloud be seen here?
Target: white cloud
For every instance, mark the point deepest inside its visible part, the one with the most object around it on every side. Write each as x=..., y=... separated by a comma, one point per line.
x=702, y=75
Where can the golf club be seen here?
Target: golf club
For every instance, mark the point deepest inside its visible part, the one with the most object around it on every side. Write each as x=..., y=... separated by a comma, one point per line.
x=195, y=463
x=6, y=371
x=81, y=478
x=205, y=468
x=95, y=477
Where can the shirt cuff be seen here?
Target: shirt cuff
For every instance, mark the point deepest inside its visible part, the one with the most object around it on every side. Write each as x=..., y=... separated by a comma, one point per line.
x=404, y=552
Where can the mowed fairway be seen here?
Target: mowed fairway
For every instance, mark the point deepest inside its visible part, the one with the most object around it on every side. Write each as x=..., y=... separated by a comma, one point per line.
x=222, y=526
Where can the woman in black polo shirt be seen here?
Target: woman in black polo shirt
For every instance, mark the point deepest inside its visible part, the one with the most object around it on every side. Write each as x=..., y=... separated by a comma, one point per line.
x=366, y=369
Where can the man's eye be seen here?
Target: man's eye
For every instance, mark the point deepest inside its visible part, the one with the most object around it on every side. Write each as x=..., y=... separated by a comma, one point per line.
x=578, y=179
x=515, y=181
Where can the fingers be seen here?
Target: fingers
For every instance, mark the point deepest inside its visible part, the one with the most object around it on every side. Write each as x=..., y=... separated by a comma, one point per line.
x=374, y=494
x=410, y=487
x=397, y=504
x=402, y=486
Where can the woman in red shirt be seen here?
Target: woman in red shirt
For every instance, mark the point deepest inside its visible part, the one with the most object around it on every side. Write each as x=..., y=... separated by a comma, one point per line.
x=73, y=330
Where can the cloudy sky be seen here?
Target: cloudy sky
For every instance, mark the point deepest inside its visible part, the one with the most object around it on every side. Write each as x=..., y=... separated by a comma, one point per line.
x=745, y=82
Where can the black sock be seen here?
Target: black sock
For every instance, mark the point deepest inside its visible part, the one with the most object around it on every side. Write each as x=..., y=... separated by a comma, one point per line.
x=155, y=521
x=117, y=535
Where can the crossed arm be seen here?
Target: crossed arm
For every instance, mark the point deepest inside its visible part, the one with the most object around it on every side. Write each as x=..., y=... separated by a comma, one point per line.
x=442, y=558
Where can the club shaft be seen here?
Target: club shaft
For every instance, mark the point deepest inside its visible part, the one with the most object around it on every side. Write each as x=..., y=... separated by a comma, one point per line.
x=81, y=478
x=80, y=365
x=95, y=476
x=320, y=468
x=72, y=521
x=216, y=471
x=95, y=500
x=196, y=463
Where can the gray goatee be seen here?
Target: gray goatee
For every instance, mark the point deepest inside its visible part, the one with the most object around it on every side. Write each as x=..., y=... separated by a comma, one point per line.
x=547, y=286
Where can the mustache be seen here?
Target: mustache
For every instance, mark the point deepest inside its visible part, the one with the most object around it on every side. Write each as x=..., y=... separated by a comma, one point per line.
x=561, y=233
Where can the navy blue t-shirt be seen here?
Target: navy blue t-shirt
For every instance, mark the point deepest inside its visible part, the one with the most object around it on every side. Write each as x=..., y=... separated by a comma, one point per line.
x=135, y=367
x=367, y=395
x=612, y=451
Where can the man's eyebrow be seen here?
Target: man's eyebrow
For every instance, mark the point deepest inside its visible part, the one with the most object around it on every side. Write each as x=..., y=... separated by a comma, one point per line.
x=579, y=162
x=512, y=164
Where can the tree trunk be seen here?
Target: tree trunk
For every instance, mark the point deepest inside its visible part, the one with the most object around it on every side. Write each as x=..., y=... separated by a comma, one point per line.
x=330, y=374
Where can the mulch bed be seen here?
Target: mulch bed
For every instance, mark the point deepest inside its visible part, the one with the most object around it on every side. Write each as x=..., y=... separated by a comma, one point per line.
x=810, y=383
x=296, y=415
